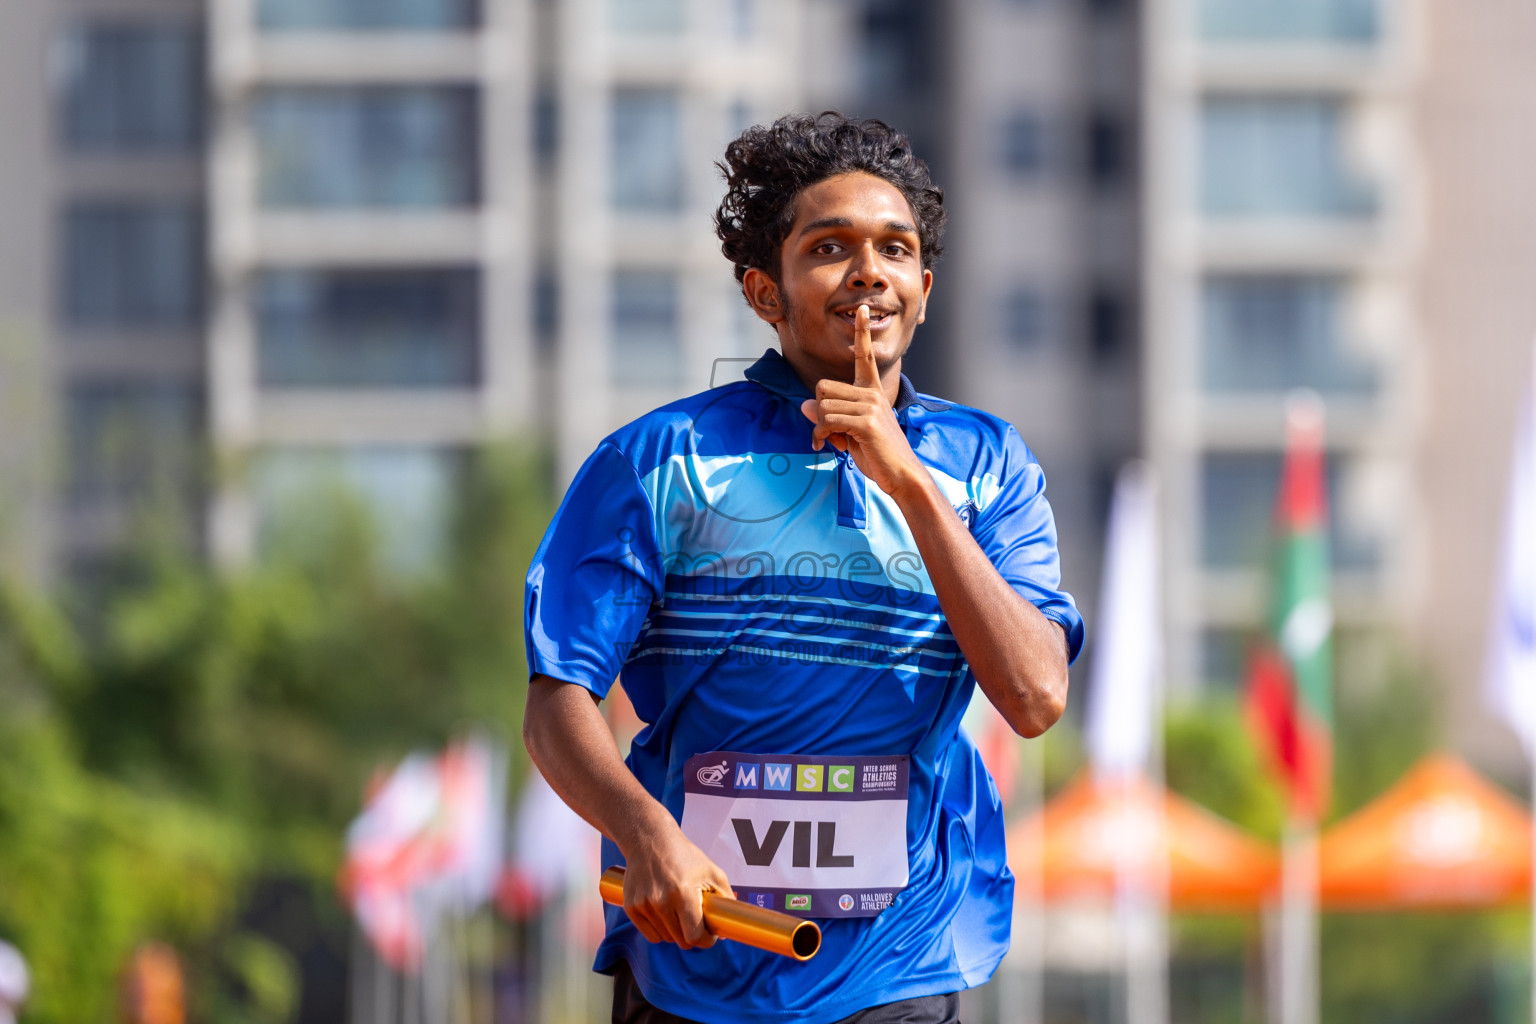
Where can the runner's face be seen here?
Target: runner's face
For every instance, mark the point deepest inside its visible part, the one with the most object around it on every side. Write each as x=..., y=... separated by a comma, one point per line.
x=854, y=241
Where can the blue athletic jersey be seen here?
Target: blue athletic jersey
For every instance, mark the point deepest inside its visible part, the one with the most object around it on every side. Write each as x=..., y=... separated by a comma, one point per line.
x=760, y=597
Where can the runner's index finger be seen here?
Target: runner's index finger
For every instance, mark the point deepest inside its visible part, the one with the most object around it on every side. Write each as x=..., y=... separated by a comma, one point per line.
x=866, y=374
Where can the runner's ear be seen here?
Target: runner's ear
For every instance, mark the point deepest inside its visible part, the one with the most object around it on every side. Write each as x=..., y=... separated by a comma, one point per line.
x=762, y=295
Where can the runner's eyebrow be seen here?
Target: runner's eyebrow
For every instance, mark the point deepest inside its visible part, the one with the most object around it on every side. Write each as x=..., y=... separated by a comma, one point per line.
x=894, y=226
x=827, y=222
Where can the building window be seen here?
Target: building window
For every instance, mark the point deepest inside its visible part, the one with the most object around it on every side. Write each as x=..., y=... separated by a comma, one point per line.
x=134, y=87
x=374, y=146
x=743, y=19
x=1024, y=319
x=1224, y=657
x=546, y=308
x=1337, y=21
x=648, y=17
x=647, y=150
x=1107, y=322
x=647, y=341
x=406, y=493
x=1237, y=509
x=368, y=328
x=1278, y=157
x=344, y=15
x=130, y=265
x=132, y=441
x=1271, y=332
x=899, y=55
x=546, y=124
x=1023, y=145
x=1108, y=150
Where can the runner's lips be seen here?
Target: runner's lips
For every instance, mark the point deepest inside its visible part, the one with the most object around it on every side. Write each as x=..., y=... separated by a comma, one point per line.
x=876, y=317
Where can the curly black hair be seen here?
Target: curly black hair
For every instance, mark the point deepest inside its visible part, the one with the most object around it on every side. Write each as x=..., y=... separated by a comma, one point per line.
x=768, y=166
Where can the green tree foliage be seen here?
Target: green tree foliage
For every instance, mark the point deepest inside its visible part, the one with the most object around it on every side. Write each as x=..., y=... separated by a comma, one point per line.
x=190, y=732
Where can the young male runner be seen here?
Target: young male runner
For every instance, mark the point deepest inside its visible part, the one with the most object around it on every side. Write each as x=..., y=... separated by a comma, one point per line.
x=799, y=578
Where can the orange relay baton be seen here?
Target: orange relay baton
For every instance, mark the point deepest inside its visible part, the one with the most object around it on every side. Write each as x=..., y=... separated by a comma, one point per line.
x=732, y=919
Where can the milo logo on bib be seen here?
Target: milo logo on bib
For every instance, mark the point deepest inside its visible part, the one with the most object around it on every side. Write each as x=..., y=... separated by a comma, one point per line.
x=816, y=836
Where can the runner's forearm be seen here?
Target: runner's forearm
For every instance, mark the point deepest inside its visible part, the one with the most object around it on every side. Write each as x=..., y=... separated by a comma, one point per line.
x=666, y=873
x=1018, y=655
x=568, y=739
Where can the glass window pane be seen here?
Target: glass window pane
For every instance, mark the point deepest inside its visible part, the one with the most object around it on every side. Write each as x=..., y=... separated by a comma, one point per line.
x=408, y=493
x=134, y=87
x=368, y=328
x=1024, y=319
x=418, y=15
x=1224, y=657
x=647, y=150
x=131, y=440
x=1278, y=156
x=1275, y=332
x=743, y=18
x=1237, y=502
x=1023, y=144
x=648, y=17
x=1107, y=149
x=377, y=146
x=133, y=265
x=647, y=345
x=1346, y=21
x=1107, y=320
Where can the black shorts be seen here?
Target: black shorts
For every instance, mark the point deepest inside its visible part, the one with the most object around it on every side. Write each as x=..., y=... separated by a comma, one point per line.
x=630, y=1007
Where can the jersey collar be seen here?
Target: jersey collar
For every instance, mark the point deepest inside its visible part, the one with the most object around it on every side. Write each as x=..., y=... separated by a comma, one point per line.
x=773, y=372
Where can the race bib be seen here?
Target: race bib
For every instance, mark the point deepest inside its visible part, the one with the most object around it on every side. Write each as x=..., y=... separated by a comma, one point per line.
x=813, y=836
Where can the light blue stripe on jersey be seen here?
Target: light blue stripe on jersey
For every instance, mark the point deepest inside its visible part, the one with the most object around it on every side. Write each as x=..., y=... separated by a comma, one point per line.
x=700, y=511
x=938, y=632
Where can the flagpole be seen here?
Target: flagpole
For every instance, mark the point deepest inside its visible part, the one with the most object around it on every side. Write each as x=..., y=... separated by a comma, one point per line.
x=1027, y=950
x=1124, y=717
x=1297, y=998
x=1520, y=514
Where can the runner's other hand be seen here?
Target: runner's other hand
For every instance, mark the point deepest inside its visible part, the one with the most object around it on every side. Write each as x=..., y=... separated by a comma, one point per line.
x=664, y=885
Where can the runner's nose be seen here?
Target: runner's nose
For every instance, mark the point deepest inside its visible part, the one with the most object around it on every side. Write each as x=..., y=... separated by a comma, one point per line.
x=868, y=271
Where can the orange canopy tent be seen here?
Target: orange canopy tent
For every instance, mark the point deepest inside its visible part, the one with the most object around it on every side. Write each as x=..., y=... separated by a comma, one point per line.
x=1080, y=842
x=1441, y=837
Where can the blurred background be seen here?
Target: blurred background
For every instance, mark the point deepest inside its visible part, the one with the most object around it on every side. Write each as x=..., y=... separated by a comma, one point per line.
x=309, y=310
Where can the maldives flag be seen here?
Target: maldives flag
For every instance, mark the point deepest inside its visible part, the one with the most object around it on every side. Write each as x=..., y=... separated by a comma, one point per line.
x=1290, y=705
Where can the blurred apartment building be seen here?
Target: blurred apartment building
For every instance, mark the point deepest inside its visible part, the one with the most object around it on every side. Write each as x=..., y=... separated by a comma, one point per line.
x=1334, y=198
x=313, y=238
x=102, y=226
x=362, y=236
x=1168, y=214
x=1284, y=219
x=1041, y=282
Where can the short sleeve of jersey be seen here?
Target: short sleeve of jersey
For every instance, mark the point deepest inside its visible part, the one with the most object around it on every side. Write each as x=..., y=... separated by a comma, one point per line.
x=1018, y=533
x=594, y=577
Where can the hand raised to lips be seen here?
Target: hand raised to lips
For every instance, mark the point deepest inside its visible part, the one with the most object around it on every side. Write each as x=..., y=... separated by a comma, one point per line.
x=858, y=419
x=875, y=316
